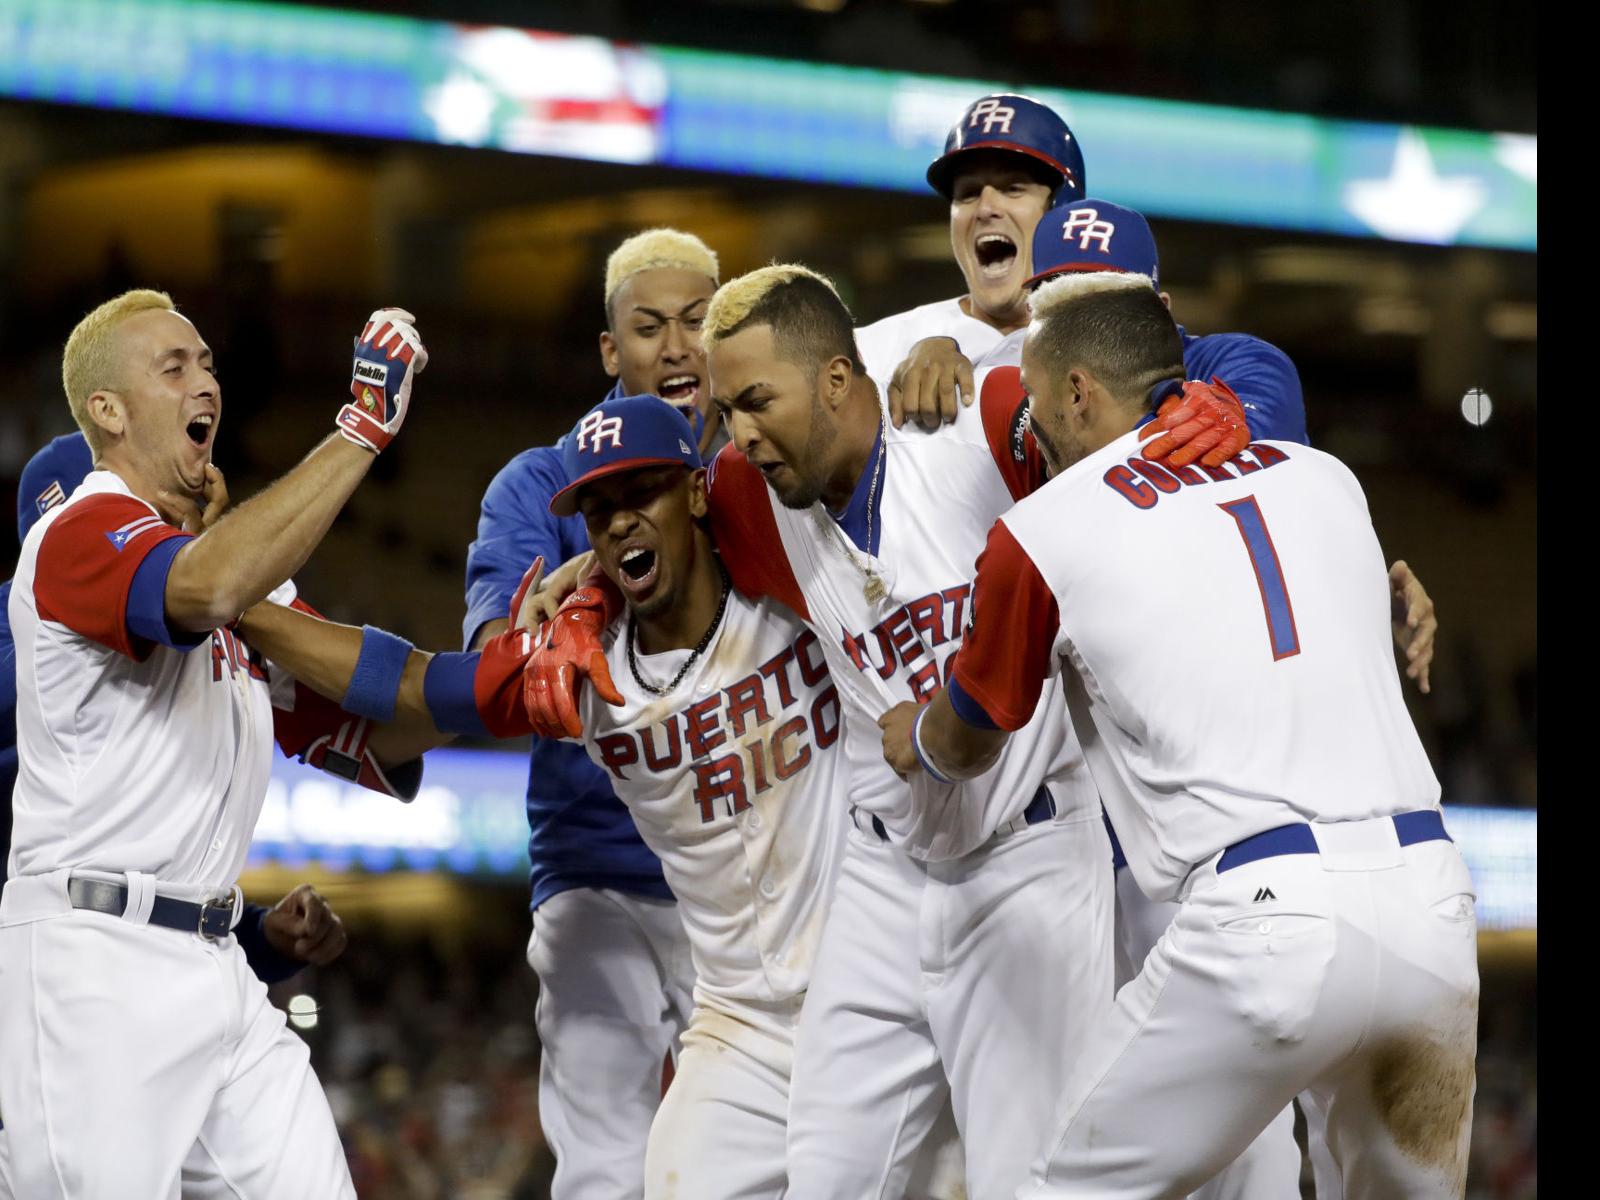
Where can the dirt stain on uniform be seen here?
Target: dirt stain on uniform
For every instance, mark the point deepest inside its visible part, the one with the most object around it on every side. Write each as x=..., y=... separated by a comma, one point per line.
x=1422, y=1088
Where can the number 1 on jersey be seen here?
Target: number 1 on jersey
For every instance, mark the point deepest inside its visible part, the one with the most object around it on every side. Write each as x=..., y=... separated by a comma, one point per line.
x=1269, y=576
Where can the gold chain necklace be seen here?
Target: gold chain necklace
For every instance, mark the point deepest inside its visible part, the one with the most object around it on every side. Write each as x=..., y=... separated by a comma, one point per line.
x=875, y=590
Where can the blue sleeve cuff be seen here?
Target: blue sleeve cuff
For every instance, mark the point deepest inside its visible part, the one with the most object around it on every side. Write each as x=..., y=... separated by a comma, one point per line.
x=968, y=709
x=269, y=966
x=448, y=692
x=146, y=613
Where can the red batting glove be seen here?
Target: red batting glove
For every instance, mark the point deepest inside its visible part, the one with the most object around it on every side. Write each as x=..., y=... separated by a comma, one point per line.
x=1205, y=422
x=569, y=651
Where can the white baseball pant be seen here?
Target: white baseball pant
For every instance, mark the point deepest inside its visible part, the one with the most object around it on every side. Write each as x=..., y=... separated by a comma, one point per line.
x=979, y=977
x=128, y=1049
x=1357, y=979
x=615, y=990
x=720, y=1131
x=1269, y=1168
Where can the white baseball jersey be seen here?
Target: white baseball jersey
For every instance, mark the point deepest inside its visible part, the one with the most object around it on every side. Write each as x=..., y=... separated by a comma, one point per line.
x=931, y=509
x=735, y=783
x=884, y=344
x=141, y=747
x=1276, y=555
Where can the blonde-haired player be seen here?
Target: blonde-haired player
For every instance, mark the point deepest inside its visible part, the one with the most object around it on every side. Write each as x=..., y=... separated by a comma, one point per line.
x=951, y=906
x=615, y=975
x=1324, y=938
x=133, y=1035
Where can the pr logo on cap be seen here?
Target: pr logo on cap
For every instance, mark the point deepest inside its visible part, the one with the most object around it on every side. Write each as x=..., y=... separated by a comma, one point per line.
x=596, y=428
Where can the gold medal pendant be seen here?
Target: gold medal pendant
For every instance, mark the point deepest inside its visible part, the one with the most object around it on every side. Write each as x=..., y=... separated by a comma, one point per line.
x=874, y=589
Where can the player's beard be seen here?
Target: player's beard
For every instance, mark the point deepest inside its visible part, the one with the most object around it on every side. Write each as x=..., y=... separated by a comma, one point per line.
x=808, y=484
x=1060, y=448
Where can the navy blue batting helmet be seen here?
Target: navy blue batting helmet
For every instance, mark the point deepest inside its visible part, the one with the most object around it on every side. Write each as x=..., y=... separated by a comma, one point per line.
x=1007, y=121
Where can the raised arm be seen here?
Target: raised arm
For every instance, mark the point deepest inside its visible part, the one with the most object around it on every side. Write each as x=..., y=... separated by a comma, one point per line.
x=254, y=548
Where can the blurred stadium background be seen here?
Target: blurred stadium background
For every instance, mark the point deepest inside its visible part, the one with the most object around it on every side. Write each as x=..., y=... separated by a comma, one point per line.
x=1353, y=182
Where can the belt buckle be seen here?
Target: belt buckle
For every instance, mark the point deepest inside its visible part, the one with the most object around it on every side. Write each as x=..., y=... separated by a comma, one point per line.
x=216, y=919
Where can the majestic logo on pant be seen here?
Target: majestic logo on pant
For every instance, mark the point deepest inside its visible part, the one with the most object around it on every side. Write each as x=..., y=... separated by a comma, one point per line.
x=1264, y=894
x=596, y=428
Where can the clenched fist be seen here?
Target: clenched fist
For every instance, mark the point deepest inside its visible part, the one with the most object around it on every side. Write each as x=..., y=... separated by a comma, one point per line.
x=389, y=355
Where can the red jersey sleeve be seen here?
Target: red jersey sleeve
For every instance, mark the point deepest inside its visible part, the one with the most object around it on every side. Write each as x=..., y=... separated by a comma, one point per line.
x=1005, y=424
x=88, y=575
x=747, y=534
x=1005, y=655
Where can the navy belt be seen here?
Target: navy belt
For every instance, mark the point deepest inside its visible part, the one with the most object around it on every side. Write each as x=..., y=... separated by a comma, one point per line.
x=1425, y=825
x=213, y=919
x=1040, y=809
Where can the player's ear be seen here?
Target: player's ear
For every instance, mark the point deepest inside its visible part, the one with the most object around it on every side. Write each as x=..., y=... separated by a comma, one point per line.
x=609, y=358
x=837, y=377
x=1167, y=300
x=1080, y=382
x=697, y=494
x=108, y=413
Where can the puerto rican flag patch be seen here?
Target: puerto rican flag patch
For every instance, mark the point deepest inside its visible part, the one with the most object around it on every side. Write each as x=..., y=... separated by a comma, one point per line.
x=50, y=497
x=121, y=537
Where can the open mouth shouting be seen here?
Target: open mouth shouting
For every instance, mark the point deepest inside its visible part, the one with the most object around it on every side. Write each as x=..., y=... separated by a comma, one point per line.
x=200, y=428
x=682, y=390
x=996, y=254
x=638, y=569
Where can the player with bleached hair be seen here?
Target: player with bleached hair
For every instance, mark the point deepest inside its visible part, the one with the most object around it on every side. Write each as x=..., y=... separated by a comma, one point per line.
x=135, y=1042
x=1325, y=934
x=992, y=898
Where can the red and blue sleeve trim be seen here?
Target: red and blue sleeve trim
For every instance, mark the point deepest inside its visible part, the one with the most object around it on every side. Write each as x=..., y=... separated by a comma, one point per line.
x=968, y=707
x=147, y=600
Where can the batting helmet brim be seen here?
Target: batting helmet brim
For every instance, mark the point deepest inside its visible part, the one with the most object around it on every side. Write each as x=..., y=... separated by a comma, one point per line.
x=1050, y=171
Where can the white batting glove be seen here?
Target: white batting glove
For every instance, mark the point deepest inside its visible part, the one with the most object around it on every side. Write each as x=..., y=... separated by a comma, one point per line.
x=389, y=354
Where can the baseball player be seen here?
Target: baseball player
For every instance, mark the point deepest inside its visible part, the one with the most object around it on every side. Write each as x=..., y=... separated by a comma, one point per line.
x=615, y=974
x=944, y=913
x=1006, y=161
x=278, y=941
x=1325, y=938
x=725, y=750
x=721, y=740
x=142, y=767
x=1097, y=235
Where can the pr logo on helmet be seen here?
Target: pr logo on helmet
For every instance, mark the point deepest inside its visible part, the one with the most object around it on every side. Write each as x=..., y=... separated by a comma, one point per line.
x=993, y=114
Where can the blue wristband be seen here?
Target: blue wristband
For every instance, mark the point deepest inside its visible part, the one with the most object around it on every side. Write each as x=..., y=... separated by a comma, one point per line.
x=447, y=690
x=375, y=683
x=922, y=755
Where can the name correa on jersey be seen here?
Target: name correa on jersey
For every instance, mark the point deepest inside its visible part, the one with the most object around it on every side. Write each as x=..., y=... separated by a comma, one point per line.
x=780, y=750
x=1126, y=480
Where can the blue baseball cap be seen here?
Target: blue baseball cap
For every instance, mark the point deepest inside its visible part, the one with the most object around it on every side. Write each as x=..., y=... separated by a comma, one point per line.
x=623, y=435
x=1093, y=235
x=50, y=477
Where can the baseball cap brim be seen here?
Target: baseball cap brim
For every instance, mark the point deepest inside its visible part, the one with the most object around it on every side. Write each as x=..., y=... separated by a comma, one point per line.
x=565, y=502
x=1070, y=268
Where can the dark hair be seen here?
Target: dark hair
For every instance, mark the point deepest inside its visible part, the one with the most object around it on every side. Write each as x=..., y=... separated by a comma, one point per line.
x=810, y=324
x=1125, y=337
